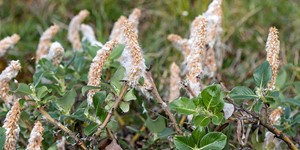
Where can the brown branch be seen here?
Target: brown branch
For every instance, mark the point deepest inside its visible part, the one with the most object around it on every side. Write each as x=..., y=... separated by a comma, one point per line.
x=271, y=128
x=109, y=115
x=162, y=103
x=62, y=127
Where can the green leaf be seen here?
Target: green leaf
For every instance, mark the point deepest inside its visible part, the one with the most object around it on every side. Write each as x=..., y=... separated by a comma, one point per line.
x=88, y=87
x=23, y=89
x=129, y=96
x=218, y=118
x=198, y=134
x=91, y=128
x=201, y=120
x=183, y=105
x=42, y=92
x=281, y=79
x=37, y=77
x=184, y=142
x=116, y=52
x=262, y=74
x=213, y=141
x=2, y=138
x=116, y=78
x=98, y=101
x=242, y=93
x=67, y=101
x=124, y=106
x=258, y=106
x=156, y=125
x=211, y=96
x=165, y=133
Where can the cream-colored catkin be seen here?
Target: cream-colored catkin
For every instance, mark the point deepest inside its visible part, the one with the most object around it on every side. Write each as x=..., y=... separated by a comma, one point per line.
x=55, y=54
x=89, y=35
x=12, y=127
x=10, y=72
x=174, y=82
x=132, y=58
x=134, y=19
x=272, y=48
x=8, y=42
x=275, y=115
x=61, y=144
x=116, y=32
x=45, y=41
x=96, y=67
x=194, y=61
x=213, y=15
x=36, y=137
x=181, y=44
x=73, y=30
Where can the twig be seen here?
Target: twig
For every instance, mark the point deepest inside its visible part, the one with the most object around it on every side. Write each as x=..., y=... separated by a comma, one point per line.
x=109, y=115
x=271, y=128
x=162, y=103
x=137, y=135
x=62, y=127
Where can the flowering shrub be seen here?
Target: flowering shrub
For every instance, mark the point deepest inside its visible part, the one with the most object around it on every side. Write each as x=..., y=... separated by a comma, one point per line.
x=96, y=95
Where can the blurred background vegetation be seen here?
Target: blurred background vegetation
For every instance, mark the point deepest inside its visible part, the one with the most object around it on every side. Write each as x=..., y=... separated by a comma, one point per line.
x=245, y=30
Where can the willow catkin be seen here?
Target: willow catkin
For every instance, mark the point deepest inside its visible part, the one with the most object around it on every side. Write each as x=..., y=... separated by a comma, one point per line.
x=55, y=54
x=272, y=48
x=11, y=126
x=213, y=15
x=89, y=35
x=36, y=137
x=116, y=32
x=10, y=72
x=274, y=119
x=132, y=59
x=45, y=41
x=134, y=19
x=8, y=42
x=61, y=144
x=181, y=44
x=194, y=61
x=73, y=30
x=96, y=67
x=174, y=82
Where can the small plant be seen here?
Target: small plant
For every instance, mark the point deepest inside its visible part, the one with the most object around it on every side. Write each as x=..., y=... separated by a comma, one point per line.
x=103, y=96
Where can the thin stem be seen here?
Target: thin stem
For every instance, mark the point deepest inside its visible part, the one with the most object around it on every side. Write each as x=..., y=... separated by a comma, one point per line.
x=109, y=115
x=62, y=127
x=162, y=103
x=271, y=128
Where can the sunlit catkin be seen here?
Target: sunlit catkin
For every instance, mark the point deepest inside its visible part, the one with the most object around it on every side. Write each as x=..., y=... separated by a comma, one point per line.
x=89, y=35
x=73, y=30
x=272, y=48
x=36, y=137
x=174, y=82
x=45, y=42
x=11, y=126
x=7, y=75
x=195, y=60
x=116, y=32
x=132, y=58
x=96, y=67
x=55, y=54
x=8, y=42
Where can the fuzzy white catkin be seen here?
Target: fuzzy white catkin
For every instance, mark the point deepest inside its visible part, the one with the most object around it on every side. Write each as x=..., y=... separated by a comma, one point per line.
x=55, y=54
x=73, y=30
x=132, y=58
x=36, y=137
x=45, y=42
x=89, y=35
x=11, y=126
x=8, y=42
x=96, y=67
x=195, y=59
